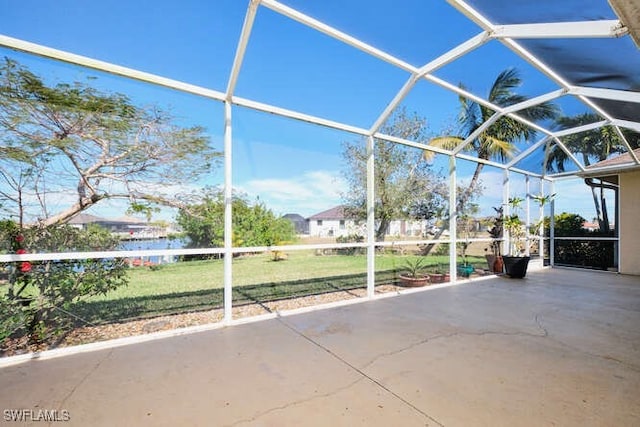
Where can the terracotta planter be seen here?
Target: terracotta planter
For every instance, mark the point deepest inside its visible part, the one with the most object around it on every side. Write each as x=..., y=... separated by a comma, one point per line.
x=414, y=282
x=436, y=277
x=496, y=264
x=490, y=260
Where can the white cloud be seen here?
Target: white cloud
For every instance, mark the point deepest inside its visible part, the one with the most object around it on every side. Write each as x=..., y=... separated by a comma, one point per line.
x=305, y=194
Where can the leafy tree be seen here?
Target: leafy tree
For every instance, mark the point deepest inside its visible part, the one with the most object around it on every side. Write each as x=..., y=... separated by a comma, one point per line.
x=405, y=185
x=203, y=222
x=593, y=146
x=256, y=225
x=72, y=142
x=498, y=140
x=253, y=224
x=567, y=225
x=40, y=293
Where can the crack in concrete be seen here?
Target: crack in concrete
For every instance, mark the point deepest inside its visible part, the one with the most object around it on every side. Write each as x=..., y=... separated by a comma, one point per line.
x=294, y=403
x=451, y=335
x=538, y=321
x=82, y=381
x=362, y=373
x=606, y=357
x=539, y=324
x=545, y=334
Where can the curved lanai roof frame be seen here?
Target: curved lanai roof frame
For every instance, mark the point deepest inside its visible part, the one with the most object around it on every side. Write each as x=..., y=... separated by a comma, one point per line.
x=563, y=40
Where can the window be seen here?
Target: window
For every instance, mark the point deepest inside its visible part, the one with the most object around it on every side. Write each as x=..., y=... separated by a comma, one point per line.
x=319, y=223
x=342, y=224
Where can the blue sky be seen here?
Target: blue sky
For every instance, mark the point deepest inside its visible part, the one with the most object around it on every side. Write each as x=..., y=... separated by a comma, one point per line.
x=291, y=166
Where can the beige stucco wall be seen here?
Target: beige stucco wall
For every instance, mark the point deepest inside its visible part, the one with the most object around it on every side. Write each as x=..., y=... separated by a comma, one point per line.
x=630, y=223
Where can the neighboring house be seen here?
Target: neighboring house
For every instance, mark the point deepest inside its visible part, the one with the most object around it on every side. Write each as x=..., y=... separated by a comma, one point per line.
x=130, y=227
x=301, y=225
x=81, y=220
x=591, y=226
x=334, y=223
x=407, y=228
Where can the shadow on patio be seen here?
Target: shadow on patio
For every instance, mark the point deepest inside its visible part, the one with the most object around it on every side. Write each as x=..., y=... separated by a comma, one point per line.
x=560, y=347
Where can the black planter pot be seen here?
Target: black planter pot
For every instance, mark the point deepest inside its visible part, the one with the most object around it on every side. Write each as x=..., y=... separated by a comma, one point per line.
x=516, y=267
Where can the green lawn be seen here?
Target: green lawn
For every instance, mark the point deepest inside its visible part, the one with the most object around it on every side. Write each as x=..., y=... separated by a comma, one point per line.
x=197, y=285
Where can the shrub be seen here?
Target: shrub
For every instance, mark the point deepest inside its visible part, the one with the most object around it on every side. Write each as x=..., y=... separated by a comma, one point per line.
x=441, y=249
x=278, y=256
x=40, y=293
x=592, y=254
x=253, y=224
x=583, y=253
x=351, y=238
x=11, y=318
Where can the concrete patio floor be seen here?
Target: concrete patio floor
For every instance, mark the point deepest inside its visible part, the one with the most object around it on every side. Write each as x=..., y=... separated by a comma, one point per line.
x=561, y=347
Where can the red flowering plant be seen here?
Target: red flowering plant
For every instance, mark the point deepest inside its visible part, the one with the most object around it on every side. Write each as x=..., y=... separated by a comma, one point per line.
x=24, y=266
x=15, y=274
x=48, y=293
x=18, y=271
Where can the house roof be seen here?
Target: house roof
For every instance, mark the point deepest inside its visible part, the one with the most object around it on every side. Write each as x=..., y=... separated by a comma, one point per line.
x=293, y=217
x=615, y=161
x=623, y=162
x=128, y=219
x=333, y=213
x=83, y=218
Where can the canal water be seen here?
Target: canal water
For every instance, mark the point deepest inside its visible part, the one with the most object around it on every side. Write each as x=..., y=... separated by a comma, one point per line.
x=150, y=244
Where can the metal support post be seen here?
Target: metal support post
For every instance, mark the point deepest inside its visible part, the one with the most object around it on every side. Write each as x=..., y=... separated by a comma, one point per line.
x=453, y=220
x=506, y=211
x=228, y=222
x=552, y=225
x=541, y=223
x=527, y=223
x=371, y=194
x=617, y=253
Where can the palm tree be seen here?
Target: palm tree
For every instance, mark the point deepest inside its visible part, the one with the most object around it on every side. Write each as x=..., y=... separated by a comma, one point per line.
x=594, y=145
x=498, y=140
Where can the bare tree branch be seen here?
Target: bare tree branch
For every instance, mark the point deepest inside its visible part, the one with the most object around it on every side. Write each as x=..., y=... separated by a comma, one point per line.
x=85, y=141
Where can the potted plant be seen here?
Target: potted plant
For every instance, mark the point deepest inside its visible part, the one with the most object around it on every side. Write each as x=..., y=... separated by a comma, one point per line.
x=412, y=275
x=494, y=259
x=516, y=263
x=538, y=227
x=438, y=276
x=465, y=269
